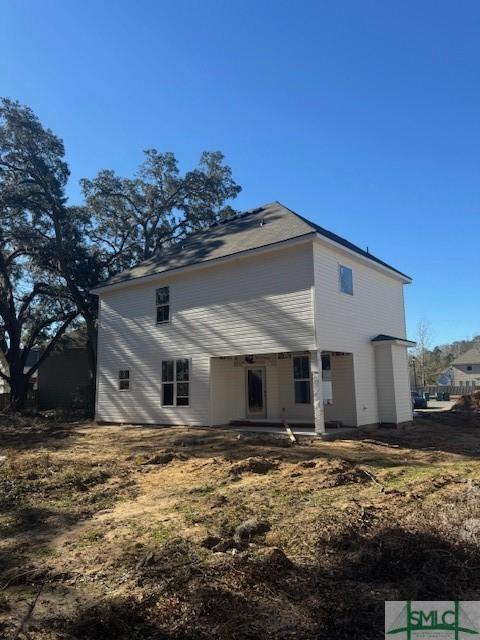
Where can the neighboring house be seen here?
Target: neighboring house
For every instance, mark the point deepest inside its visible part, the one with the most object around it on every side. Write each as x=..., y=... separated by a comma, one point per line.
x=63, y=379
x=466, y=368
x=245, y=320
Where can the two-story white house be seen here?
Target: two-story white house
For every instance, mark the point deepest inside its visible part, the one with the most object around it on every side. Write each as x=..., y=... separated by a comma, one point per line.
x=265, y=317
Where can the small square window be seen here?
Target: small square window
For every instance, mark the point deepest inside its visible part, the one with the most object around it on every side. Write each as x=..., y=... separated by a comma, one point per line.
x=469, y=368
x=124, y=379
x=346, y=280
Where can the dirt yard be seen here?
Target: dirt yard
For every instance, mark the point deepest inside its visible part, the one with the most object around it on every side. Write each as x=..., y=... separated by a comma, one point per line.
x=191, y=534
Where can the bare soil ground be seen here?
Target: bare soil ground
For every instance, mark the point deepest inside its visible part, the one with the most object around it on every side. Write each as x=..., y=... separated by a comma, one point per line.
x=188, y=534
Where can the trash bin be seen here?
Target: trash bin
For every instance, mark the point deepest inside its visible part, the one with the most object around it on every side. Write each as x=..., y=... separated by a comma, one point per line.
x=426, y=395
x=446, y=396
x=439, y=395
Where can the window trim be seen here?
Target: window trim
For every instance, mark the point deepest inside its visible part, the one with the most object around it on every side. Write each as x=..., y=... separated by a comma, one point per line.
x=125, y=379
x=176, y=382
x=340, y=267
x=169, y=305
x=309, y=379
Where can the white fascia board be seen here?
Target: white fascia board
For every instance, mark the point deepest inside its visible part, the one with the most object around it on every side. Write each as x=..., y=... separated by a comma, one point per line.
x=401, y=343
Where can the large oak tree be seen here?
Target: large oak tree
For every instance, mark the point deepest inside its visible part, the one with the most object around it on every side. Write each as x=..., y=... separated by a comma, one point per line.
x=52, y=254
x=35, y=307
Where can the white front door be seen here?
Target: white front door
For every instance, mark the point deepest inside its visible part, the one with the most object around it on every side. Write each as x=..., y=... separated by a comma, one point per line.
x=255, y=392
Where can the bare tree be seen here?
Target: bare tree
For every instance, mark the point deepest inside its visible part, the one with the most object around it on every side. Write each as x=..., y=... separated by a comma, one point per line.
x=422, y=350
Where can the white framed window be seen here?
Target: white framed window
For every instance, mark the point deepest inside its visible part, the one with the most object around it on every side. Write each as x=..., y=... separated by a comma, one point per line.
x=345, y=276
x=176, y=383
x=301, y=379
x=162, y=301
x=124, y=379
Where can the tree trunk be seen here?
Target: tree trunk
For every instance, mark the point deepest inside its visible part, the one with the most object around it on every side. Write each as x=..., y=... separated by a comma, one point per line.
x=92, y=357
x=18, y=390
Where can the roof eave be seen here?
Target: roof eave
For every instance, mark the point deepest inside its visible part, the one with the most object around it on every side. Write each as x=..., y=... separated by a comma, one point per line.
x=367, y=260
x=205, y=263
x=398, y=341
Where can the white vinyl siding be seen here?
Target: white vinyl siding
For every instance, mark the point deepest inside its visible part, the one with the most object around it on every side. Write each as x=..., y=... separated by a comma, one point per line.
x=258, y=304
x=343, y=409
x=347, y=323
x=255, y=304
x=385, y=384
x=403, y=401
x=393, y=385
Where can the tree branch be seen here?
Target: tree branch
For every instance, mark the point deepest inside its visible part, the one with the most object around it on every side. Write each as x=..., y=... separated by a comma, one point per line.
x=52, y=344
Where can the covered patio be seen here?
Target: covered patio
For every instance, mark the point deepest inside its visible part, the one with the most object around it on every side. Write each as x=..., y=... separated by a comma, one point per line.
x=307, y=389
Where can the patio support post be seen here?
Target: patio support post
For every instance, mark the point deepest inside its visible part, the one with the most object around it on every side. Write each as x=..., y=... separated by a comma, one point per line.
x=316, y=369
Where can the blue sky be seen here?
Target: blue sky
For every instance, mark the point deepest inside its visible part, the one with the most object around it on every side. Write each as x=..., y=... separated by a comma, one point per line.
x=363, y=116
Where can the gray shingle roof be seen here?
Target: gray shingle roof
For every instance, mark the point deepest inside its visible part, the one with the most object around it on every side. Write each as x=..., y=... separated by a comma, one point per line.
x=267, y=225
x=472, y=356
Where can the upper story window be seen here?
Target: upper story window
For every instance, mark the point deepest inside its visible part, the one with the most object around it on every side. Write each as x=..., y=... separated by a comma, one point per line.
x=301, y=379
x=124, y=379
x=163, y=305
x=469, y=368
x=346, y=279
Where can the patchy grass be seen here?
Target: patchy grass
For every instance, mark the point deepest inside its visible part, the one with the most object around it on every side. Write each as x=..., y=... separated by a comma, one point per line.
x=107, y=545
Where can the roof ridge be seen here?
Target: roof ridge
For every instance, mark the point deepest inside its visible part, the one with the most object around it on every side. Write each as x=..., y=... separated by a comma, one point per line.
x=202, y=245
x=240, y=214
x=331, y=235
x=475, y=348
